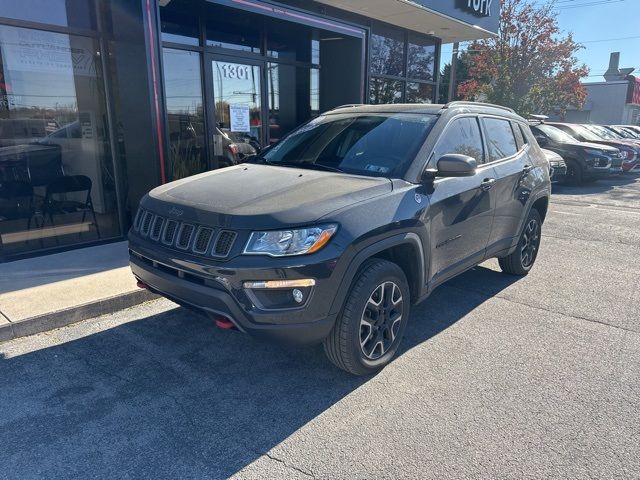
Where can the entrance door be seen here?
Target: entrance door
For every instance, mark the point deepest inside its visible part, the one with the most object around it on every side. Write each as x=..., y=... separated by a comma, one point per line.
x=237, y=111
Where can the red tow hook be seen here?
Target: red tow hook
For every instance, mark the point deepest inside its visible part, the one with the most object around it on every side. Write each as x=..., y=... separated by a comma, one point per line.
x=224, y=323
x=141, y=284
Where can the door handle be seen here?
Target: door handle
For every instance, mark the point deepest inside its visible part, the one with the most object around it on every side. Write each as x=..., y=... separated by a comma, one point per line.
x=527, y=169
x=487, y=184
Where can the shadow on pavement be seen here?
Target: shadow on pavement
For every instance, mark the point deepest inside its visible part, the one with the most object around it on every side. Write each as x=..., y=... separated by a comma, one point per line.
x=170, y=395
x=599, y=186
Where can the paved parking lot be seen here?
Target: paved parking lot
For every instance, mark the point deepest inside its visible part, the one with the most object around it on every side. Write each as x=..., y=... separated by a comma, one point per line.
x=499, y=377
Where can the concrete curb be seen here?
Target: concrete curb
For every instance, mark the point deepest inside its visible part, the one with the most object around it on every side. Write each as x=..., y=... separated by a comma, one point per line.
x=67, y=316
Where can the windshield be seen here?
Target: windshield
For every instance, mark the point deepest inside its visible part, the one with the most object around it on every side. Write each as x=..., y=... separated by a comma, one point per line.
x=631, y=133
x=587, y=134
x=372, y=144
x=603, y=132
x=555, y=134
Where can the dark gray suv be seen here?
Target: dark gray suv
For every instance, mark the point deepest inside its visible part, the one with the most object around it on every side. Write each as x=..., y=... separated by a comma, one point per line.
x=332, y=234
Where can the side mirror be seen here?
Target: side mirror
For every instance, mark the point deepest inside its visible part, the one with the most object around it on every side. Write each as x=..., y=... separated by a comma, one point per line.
x=453, y=165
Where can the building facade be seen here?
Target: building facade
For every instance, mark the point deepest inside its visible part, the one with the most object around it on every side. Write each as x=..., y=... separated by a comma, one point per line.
x=616, y=101
x=102, y=100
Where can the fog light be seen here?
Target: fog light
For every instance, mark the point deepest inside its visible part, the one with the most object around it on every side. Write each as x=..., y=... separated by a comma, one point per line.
x=298, y=296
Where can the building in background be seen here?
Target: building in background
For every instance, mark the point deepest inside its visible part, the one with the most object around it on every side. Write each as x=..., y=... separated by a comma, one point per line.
x=102, y=100
x=616, y=101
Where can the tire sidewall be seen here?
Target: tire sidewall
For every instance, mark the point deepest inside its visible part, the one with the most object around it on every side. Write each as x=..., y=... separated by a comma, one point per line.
x=391, y=273
x=533, y=214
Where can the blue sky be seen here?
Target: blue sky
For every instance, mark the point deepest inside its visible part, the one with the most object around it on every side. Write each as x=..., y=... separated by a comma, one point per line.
x=597, y=25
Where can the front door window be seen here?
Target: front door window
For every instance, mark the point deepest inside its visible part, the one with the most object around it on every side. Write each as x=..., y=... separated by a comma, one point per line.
x=237, y=94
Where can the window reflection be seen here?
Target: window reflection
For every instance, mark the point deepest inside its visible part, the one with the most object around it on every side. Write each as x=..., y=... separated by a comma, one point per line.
x=178, y=27
x=65, y=13
x=227, y=28
x=185, y=114
x=294, y=97
x=421, y=58
x=385, y=91
x=57, y=182
x=419, y=92
x=238, y=132
x=286, y=41
x=387, y=52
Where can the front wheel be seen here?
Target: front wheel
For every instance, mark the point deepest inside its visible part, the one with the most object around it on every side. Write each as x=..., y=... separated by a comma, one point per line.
x=524, y=256
x=370, y=327
x=574, y=176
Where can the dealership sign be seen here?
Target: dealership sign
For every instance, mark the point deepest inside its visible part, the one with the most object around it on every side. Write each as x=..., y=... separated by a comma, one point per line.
x=479, y=8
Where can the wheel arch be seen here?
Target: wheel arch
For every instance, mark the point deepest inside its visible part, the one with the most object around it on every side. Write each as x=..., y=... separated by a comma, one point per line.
x=542, y=206
x=405, y=250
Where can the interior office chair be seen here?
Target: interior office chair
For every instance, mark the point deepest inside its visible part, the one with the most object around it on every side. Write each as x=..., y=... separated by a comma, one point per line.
x=57, y=203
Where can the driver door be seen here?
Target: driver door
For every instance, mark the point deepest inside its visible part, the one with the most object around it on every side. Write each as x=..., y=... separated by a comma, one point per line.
x=461, y=208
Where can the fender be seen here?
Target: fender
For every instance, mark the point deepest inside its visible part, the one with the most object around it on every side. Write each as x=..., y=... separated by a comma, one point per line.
x=543, y=192
x=369, y=251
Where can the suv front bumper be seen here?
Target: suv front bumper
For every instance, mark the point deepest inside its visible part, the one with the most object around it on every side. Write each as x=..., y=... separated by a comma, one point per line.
x=304, y=325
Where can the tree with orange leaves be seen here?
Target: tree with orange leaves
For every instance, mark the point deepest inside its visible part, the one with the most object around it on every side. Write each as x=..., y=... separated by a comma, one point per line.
x=530, y=66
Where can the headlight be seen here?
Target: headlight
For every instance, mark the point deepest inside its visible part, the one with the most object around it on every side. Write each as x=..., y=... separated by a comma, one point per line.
x=281, y=243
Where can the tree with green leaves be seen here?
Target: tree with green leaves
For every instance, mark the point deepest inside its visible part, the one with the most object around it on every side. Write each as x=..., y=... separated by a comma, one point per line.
x=530, y=66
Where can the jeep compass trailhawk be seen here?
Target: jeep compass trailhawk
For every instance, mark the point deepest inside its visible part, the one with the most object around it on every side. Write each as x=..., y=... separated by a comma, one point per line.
x=332, y=234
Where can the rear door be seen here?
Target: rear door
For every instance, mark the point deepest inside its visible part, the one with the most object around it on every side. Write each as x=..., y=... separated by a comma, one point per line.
x=508, y=154
x=461, y=208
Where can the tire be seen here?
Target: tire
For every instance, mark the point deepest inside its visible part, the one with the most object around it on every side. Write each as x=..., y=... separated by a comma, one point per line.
x=524, y=256
x=574, y=176
x=367, y=334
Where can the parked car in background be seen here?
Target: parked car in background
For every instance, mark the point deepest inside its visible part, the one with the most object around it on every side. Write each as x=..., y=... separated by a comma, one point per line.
x=557, y=167
x=632, y=128
x=623, y=132
x=585, y=162
x=630, y=151
x=608, y=134
x=335, y=232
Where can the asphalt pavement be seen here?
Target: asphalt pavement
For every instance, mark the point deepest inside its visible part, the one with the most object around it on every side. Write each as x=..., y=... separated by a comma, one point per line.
x=498, y=377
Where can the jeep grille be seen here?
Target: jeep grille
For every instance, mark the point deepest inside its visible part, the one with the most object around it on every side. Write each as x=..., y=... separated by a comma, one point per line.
x=199, y=239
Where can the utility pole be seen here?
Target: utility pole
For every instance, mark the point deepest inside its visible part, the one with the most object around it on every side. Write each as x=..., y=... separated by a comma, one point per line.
x=452, y=72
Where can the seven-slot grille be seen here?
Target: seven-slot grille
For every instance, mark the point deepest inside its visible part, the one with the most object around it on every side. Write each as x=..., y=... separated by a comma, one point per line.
x=184, y=236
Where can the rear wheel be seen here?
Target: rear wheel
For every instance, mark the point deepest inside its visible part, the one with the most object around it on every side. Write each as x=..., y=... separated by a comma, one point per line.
x=370, y=327
x=524, y=256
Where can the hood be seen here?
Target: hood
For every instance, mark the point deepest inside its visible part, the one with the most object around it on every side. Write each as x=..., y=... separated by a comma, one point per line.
x=262, y=196
x=604, y=146
x=614, y=144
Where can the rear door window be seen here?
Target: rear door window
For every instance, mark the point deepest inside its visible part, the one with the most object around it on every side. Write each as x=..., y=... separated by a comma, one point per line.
x=462, y=137
x=500, y=139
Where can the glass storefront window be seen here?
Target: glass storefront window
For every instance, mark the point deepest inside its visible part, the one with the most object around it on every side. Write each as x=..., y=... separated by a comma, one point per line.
x=382, y=90
x=237, y=93
x=65, y=13
x=235, y=31
x=387, y=52
x=419, y=92
x=178, y=27
x=294, y=97
x=421, y=58
x=286, y=41
x=57, y=183
x=185, y=114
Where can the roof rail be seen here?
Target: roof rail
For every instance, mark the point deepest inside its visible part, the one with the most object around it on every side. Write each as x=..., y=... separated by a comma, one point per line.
x=460, y=103
x=348, y=105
